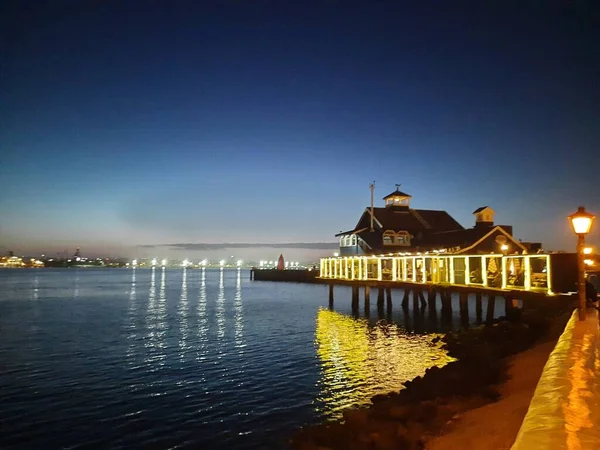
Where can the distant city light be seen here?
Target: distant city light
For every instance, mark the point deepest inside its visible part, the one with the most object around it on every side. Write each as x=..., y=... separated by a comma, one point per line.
x=239, y=263
x=134, y=262
x=164, y=262
x=154, y=261
x=204, y=262
x=336, y=254
x=185, y=263
x=262, y=263
x=222, y=262
x=270, y=263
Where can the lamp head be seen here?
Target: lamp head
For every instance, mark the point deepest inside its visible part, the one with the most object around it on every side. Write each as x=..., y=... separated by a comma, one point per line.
x=581, y=221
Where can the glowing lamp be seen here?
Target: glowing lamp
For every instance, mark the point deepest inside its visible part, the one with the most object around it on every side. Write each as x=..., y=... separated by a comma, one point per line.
x=504, y=247
x=587, y=251
x=581, y=221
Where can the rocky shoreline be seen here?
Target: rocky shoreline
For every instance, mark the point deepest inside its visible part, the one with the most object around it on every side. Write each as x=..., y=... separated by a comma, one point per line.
x=405, y=419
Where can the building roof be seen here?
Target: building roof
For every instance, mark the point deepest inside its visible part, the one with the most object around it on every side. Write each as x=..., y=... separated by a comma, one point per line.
x=397, y=193
x=481, y=208
x=411, y=220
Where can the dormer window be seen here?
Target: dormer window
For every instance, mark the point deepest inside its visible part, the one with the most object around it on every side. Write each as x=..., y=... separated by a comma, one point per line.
x=391, y=237
x=403, y=238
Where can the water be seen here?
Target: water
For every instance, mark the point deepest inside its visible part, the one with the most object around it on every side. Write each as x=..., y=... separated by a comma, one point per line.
x=153, y=358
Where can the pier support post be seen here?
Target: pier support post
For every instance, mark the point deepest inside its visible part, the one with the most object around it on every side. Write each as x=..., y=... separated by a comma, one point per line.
x=490, y=308
x=331, y=296
x=422, y=298
x=380, y=297
x=446, y=303
x=367, y=294
x=388, y=293
x=416, y=299
x=355, y=297
x=464, y=308
x=478, y=307
x=405, y=298
x=508, y=305
x=431, y=298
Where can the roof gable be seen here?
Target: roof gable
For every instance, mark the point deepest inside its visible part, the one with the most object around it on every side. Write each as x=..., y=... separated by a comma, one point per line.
x=397, y=193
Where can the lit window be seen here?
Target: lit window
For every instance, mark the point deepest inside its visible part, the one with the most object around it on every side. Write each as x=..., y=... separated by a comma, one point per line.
x=389, y=237
x=403, y=238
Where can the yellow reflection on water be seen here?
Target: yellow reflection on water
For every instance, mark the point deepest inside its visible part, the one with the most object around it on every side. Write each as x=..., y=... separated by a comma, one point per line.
x=358, y=361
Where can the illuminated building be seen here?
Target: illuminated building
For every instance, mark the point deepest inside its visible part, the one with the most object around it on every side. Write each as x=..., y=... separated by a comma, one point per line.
x=397, y=227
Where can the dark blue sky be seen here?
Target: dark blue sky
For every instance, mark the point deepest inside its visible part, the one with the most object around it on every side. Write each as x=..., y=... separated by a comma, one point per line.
x=125, y=123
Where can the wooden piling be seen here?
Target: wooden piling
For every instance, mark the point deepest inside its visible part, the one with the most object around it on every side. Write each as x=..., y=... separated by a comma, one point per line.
x=388, y=293
x=478, y=307
x=464, y=307
x=355, y=297
x=367, y=294
x=422, y=298
x=490, y=308
x=331, y=295
x=431, y=294
x=380, y=297
x=416, y=293
x=405, y=298
x=507, y=305
x=446, y=303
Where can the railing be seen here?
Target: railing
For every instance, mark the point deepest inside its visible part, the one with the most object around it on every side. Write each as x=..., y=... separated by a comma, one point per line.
x=564, y=412
x=521, y=272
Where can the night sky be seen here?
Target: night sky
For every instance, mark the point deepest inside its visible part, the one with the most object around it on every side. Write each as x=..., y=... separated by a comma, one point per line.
x=131, y=123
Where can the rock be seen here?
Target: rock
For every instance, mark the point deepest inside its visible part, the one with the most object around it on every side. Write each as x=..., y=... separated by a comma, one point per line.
x=400, y=412
x=426, y=411
x=356, y=418
x=401, y=430
x=385, y=442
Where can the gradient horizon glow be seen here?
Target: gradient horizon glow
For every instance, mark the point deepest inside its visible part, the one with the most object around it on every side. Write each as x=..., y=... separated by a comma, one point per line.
x=136, y=123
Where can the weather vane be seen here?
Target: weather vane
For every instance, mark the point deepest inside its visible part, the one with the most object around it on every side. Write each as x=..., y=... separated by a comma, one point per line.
x=398, y=187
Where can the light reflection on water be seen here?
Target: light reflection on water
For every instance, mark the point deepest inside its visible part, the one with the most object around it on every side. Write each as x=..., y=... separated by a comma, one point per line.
x=183, y=316
x=220, y=309
x=358, y=361
x=202, y=318
x=239, y=314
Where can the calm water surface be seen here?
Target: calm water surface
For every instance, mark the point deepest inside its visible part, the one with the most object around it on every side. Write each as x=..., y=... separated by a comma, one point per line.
x=153, y=358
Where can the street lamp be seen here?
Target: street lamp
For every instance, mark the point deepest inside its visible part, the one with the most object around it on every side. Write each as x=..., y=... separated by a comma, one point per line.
x=581, y=222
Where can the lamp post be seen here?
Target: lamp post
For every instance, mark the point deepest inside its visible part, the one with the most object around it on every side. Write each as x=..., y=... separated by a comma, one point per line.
x=581, y=222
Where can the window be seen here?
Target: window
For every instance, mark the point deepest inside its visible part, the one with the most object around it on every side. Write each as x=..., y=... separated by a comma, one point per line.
x=389, y=237
x=348, y=241
x=402, y=238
